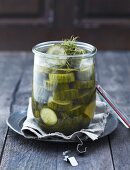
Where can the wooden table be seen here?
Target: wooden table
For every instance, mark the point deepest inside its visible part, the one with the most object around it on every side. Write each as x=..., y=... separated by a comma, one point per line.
x=17, y=153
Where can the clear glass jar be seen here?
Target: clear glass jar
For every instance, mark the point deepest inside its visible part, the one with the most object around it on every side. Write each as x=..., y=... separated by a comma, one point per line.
x=64, y=93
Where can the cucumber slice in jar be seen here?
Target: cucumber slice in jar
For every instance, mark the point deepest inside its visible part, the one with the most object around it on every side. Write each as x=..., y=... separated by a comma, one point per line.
x=66, y=94
x=66, y=70
x=84, y=74
x=62, y=78
x=86, y=97
x=43, y=68
x=41, y=95
x=57, y=50
x=48, y=116
x=59, y=105
x=84, y=84
x=75, y=62
x=76, y=111
x=39, y=77
x=86, y=70
x=50, y=85
x=90, y=108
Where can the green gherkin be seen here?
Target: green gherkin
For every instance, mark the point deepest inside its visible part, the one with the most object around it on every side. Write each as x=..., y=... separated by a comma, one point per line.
x=76, y=111
x=51, y=86
x=85, y=73
x=56, y=50
x=40, y=94
x=86, y=97
x=42, y=69
x=62, y=78
x=84, y=84
x=48, y=116
x=66, y=94
x=59, y=105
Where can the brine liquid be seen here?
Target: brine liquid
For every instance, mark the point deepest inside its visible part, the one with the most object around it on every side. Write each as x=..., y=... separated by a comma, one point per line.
x=69, y=93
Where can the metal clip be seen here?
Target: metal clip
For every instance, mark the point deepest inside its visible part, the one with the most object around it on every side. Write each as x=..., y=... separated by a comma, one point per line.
x=80, y=146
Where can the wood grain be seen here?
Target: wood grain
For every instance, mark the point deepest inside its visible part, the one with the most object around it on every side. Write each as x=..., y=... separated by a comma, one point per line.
x=11, y=68
x=95, y=158
x=114, y=73
x=39, y=155
x=21, y=154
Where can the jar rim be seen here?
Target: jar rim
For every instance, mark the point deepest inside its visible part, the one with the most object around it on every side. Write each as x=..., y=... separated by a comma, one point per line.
x=92, y=50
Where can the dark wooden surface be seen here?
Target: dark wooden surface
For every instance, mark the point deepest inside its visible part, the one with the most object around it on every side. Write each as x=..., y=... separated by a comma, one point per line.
x=18, y=153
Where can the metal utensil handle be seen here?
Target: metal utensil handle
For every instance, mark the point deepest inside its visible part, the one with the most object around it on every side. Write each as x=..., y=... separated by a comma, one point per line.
x=122, y=116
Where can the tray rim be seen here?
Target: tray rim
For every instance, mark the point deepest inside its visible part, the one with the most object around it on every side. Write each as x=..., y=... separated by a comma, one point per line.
x=22, y=116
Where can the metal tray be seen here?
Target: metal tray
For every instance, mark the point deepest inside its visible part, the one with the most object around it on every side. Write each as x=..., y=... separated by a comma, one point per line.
x=15, y=122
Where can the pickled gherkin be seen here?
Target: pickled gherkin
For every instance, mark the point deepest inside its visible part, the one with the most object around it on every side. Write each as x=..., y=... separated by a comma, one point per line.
x=42, y=69
x=62, y=78
x=90, y=109
x=48, y=116
x=64, y=70
x=40, y=77
x=85, y=98
x=64, y=93
x=84, y=84
x=40, y=94
x=85, y=73
x=56, y=50
x=59, y=105
x=50, y=86
x=76, y=110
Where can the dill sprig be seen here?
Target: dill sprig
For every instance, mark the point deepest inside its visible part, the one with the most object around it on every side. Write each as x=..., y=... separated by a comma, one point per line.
x=71, y=48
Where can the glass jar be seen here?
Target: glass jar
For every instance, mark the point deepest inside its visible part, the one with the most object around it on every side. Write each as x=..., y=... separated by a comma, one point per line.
x=64, y=93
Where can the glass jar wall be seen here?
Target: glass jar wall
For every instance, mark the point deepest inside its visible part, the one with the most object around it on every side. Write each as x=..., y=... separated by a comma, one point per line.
x=64, y=93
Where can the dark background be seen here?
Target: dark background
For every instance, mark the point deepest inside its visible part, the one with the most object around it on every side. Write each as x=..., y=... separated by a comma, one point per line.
x=103, y=23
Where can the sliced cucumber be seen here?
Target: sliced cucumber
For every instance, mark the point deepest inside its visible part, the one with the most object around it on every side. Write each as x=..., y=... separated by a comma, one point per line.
x=57, y=50
x=36, y=114
x=84, y=84
x=39, y=77
x=75, y=62
x=65, y=70
x=90, y=109
x=42, y=69
x=59, y=105
x=48, y=116
x=85, y=73
x=66, y=94
x=93, y=72
x=86, y=63
x=63, y=86
x=41, y=95
x=62, y=78
x=50, y=85
x=86, y=97
x=90, y=83
x=76, y=111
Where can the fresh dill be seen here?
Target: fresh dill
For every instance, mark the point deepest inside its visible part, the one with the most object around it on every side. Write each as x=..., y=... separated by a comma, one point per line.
x=71, y=48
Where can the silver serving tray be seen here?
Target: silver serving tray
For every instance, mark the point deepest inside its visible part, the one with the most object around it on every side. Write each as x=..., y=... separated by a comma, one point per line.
x=15, y=122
